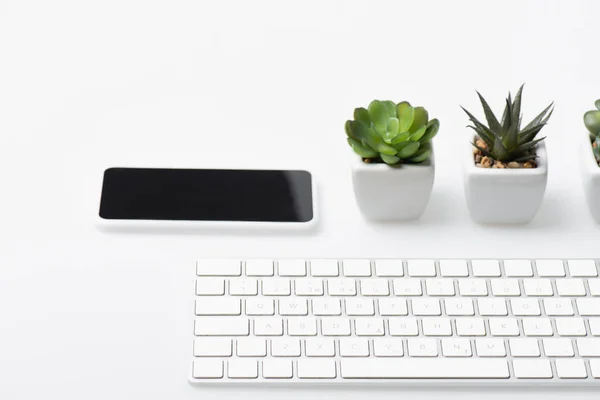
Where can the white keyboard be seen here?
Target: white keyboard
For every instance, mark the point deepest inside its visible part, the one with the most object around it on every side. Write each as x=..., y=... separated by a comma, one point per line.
x=410, y=321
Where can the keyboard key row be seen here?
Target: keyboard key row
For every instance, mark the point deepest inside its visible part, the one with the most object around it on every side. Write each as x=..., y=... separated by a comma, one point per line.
x=399, y=326
x=396, y=267
x=417, y=368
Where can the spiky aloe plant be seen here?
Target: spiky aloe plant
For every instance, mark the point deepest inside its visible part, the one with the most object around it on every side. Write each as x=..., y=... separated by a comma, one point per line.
x=391, y=133
x=592, y=123
x=505, y=140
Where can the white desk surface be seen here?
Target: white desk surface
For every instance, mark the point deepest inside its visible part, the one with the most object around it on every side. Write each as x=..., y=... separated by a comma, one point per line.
x=84, y=85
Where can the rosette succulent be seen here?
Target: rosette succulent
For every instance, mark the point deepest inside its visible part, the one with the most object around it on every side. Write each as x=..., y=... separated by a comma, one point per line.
x=391, y=133
x=592, y=123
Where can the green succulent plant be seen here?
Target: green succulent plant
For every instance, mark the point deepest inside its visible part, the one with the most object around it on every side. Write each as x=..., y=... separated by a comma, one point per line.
x=592, y=123
x=391, y=133
x=504, y=139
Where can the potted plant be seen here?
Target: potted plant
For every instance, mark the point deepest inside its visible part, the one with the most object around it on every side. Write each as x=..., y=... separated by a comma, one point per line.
x=506, y=167
x=590, y=159
x=393, y=168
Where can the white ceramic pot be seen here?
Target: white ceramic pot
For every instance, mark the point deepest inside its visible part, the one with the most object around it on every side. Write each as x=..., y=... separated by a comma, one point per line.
x=504, y=196
x=392, y=193
x=590, y=174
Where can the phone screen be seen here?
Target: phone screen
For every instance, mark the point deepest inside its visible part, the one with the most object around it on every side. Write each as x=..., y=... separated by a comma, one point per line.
x=206, y=195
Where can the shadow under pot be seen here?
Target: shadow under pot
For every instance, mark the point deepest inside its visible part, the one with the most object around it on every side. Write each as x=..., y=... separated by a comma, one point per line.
x=392, y=192
x=504, y=195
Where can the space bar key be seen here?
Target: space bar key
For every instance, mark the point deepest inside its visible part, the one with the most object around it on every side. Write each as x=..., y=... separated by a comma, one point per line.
x=424, y=368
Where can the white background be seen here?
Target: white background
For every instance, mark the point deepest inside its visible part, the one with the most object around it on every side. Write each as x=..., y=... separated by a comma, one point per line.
x=85, y=85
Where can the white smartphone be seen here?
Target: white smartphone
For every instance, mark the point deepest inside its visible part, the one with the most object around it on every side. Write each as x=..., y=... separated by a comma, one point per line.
x=150, y=198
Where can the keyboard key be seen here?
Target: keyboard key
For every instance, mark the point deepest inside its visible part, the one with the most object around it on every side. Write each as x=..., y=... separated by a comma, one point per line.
x=518, y=268
x=538, y=287
x=319, y=347
x=388, y=348
x=472, y=287
x=242, y=368
x=594, y=326
x=426, y=306
x=589, y=347
x=308, y=287
x=259, y=268
x=207, y=369
x=505, y=287
x=407, y=287
x=285, y=347
x=570, y=287
x=392, y=307
x=582, y=268
x=424, y=368
x=389, y=268
x=454, y=268
x=550, y=268
x=524, y=347
x=525, y=307
x=251, y=347
x=291, y=268
x=504, y=327
x=421, y=268
x=537, y=327
x=470, y=327
x=440, y=287
x=571, y=369
x=369, y=327
x=556, y=307
x=293, y=306
x=359, y=306
x=422, y=348
x=374, y=287
x=212, y=347
x=341, y=287
x=570, y=326
x=243, y=287
x=221, y=326
x=486, y=268
x=260, y=306
x=324, y=268
x=492, y=307
x=302, y=326
x=276, y=287
x=313, y=368
x=356, y=267
x=532, y=368
x=218, y=306
x=594, y=286
x=277, y=369
x=558, y=348
x=436, y=327
x=210, y=287
x=335, y=327
x=490, y=348
x=219, y=268
x=456, y=348
x=326, y=306
x=595, y=368
x=268, y=327
x=403, y=327
x=459, y=306
x=354, y=347
x=588, y=307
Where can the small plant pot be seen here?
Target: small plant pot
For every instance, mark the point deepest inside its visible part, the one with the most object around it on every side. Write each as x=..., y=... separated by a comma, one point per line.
x=504, y=196
x=392, y=193
x=590, y=175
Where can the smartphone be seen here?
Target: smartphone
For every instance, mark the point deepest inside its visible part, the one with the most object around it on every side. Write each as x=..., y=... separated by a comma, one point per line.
x=138, y=197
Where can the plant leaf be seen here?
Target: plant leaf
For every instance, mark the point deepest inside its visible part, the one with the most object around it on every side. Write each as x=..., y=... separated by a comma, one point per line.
x=537, y=120
x=390, y=159
x=406, y=116
x=483, y=136
x=481, y=126
x=361, y=150
x=362, y=115
x=591, y=119
x=421, y=118
x=499, y=152
x=516, y=109
x=481, y=149
x=420, y=156
x=347, y=128
x=392, y=125
x=402, y=137
x=525, y=158
x=390, y=108
x=378, y=114
x=529, y=134
x=597, y=104
x=386, y=149
x=432, y=129
x=407, y=149
x=489, y=115
x=418, y=133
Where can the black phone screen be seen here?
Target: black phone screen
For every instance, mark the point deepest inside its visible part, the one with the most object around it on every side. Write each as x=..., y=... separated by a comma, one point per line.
x=206, y=195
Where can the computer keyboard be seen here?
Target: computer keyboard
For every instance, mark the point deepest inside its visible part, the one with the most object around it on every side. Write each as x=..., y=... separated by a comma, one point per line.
x=410, y=321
